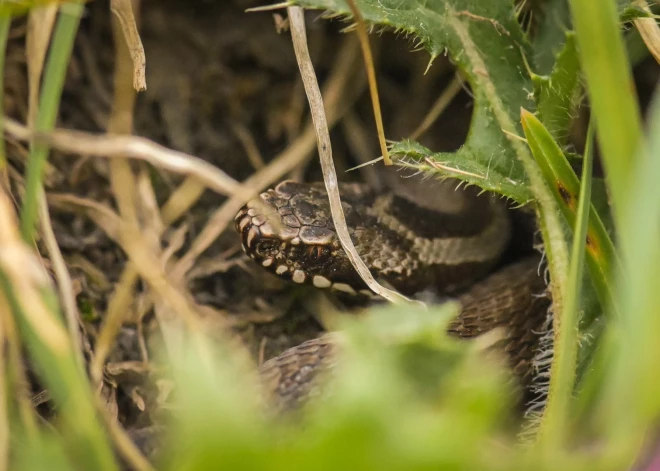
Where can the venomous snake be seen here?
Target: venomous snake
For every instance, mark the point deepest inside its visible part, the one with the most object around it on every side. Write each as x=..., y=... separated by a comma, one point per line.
x=416, y=233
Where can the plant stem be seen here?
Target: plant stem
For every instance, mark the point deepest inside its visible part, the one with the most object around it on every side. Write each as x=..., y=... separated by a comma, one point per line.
x=53, y=83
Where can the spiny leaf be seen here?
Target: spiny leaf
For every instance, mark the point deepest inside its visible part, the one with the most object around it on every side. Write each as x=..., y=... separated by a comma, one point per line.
x=557, y=93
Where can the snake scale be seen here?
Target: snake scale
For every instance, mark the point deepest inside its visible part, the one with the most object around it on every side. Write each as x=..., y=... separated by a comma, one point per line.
x=412, y=234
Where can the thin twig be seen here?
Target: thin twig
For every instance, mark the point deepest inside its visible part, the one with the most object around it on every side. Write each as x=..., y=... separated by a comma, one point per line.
x=249, y=145
x=447, y=95
x=297, y=21
x=64, y=284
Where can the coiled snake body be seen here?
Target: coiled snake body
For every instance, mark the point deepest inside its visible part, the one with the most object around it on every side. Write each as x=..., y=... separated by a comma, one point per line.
x=415, y=234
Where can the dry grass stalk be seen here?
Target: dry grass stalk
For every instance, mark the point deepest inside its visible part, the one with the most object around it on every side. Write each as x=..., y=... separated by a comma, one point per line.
x=123, y=11
x=40, y=27
x=447, y=95
x=648, y=30
x=129, y=146
x=297, y=22
x=371, y=76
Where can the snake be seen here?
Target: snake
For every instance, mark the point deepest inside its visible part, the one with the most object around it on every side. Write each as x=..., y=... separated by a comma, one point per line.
x=412, y=233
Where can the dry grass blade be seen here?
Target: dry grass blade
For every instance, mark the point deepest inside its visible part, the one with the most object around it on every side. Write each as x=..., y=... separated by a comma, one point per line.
x=4, y=395
x=64, y=283
x=130, y=146
x=178, y=203
x=141, y=255
x=123, y=11
x=120, y=121
x=448, y=94
x=299, y=36
x=648, y=30
x=40, y=27
x=28, y=277
x=182, y=199
x=371, y=75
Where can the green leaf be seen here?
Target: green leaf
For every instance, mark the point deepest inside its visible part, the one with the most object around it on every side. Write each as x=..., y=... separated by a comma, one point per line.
x=485, y=41
x=565, y=188
x=564, y=366
x=400, y=384
x=462, y=165
x=632, y=13
x=552, y=26
x=633, y=400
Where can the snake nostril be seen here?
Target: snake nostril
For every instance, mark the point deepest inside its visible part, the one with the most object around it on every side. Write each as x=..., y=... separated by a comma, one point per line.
x=265, y=247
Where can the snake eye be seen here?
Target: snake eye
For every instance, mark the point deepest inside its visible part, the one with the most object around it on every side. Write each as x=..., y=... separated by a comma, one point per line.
x=317, y=252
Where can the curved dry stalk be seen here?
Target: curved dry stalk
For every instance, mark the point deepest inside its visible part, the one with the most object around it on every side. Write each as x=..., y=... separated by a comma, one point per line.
x=297, y=21
x=79, y=142
x=64, y=284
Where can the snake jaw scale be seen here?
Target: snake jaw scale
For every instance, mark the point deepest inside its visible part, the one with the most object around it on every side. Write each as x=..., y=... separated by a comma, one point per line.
x=321, y=281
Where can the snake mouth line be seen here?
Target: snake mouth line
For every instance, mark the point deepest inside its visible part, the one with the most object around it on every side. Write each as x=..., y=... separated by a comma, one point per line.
x=289, y=231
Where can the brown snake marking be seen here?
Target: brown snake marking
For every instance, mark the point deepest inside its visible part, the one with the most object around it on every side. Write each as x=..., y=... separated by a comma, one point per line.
x=418, y=233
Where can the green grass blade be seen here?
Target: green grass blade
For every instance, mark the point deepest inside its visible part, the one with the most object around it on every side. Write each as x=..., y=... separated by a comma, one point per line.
x=5, y=23
x=51, y=92
x=632, y=404
x=48, y=343
x=565, y=188
x=553, y=431
x=612, y=93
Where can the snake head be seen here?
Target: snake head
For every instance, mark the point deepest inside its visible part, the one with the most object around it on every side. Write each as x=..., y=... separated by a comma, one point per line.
x=288, y=231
